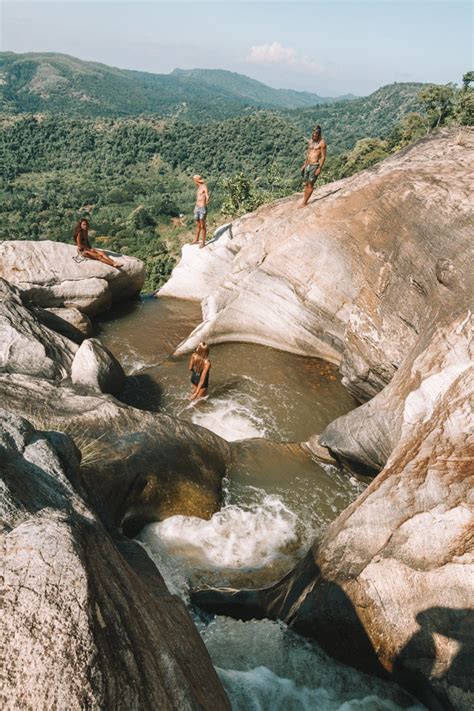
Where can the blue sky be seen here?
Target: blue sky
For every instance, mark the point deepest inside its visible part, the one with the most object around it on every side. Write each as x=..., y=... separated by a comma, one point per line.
x=329, y=47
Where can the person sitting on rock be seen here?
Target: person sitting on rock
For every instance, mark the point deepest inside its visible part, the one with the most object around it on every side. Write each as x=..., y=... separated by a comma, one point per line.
x=200, y=365
x=84, y=249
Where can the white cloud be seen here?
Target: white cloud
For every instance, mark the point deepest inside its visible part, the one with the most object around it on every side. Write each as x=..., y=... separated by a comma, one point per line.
x=276, y=53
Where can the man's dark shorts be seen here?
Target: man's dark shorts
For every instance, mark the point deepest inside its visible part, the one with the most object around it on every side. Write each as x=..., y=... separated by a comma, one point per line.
x=309, y=173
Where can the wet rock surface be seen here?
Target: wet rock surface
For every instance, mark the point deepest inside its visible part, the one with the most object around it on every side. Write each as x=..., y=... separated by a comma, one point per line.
x=389, y=587
x=138, y=466
x=87, y=619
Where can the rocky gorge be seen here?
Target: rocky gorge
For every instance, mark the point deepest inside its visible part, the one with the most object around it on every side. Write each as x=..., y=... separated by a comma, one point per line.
x=375, y=276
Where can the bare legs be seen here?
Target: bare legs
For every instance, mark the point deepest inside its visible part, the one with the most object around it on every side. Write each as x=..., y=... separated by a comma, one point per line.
x=100, y=256
x=200, y=230
x=308, y=191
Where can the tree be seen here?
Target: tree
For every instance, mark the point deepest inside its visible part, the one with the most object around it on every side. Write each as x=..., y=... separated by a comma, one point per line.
x=439, y=101
x=409, y=129
x=366, y=152
x=468, y=77
x=241, y=195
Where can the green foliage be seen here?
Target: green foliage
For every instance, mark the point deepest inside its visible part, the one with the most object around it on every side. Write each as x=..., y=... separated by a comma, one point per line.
x=366, y=152
x=132, y=176
x=467, y=80
x=409, y=129
x=241, y=195
x=438, y=101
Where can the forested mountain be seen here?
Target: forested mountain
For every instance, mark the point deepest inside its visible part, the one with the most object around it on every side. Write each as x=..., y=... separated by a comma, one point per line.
x=57, y=82
x=132, y=174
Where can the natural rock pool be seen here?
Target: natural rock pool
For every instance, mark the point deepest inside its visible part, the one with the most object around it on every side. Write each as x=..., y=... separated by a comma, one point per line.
x=277, y=500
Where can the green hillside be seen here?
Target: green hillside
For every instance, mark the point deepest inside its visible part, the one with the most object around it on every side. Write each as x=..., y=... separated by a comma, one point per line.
x=55, y=82
x=132, y=174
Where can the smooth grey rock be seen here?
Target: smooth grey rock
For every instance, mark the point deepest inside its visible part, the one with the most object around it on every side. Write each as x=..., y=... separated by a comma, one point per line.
x=87, y=619
x=28, y=346
x=96, y=367
x=139, y=466
x=47, y=273
x=369, y=434
x=77, y=319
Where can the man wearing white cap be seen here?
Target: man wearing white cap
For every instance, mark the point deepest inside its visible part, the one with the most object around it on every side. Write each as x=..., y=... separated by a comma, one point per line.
x=200, y=211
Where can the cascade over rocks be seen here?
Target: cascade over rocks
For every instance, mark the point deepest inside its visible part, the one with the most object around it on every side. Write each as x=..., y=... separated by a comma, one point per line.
x=355, y=276
x=87, y=619
x=389, y=586
x=376, y=274
x=48, y=274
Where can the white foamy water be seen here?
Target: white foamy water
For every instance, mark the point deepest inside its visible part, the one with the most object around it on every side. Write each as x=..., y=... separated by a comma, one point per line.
x=236, y=539
x=233, y=417
x=266, y=667
x=263, y=665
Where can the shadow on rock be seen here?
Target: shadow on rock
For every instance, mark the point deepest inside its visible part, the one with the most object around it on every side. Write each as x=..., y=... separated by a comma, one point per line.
x=331, y=619
x=443, y=632
x=142, y=392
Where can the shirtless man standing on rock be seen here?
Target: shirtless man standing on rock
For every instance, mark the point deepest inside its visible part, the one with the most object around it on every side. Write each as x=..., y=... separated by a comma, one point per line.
x=314, y=162
x=200, y=211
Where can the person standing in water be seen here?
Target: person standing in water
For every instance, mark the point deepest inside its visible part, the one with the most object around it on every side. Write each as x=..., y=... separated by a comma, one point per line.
x=200, y=211
x=315, y=158
x=200, y=365
x=84, y=249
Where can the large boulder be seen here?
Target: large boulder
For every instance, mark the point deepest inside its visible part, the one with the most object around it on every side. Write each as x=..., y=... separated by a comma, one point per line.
x=355, y=276
x=138, y=466
x=94, y=366
x=27, y=345
x=388, y=589
x=369, y=434
x=49, y=275
x=87, y=619
x=75, y=318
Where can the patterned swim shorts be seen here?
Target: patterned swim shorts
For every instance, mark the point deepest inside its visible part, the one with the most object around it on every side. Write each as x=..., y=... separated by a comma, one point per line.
x=200, y=213
x=309, y=173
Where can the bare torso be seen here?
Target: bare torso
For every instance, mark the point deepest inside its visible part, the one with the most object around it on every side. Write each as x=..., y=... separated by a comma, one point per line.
x=201, y=196
x=315, y=150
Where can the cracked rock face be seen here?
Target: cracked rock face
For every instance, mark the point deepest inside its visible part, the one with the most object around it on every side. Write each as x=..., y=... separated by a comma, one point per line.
x=28, y=346
x=351, y=278
x=87, y=620
x=47, y=273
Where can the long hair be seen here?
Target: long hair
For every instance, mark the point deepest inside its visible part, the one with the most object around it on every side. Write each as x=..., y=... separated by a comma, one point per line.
x=78, y=229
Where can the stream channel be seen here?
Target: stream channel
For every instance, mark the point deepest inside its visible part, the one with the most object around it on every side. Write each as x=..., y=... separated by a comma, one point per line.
x=278, y=500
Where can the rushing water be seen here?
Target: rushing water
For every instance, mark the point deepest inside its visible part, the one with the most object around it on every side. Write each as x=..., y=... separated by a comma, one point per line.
x=277, y=501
